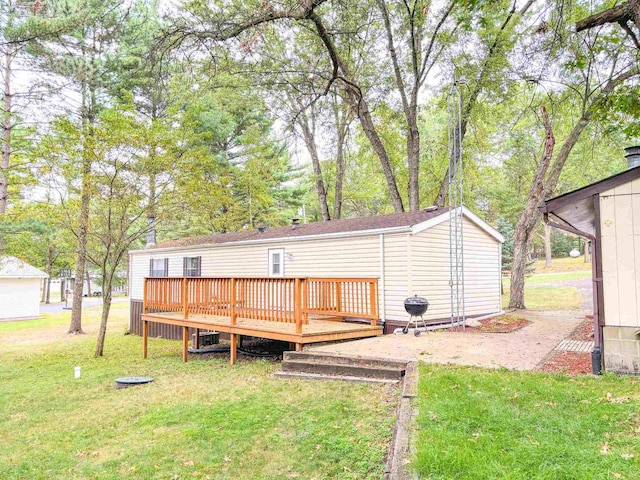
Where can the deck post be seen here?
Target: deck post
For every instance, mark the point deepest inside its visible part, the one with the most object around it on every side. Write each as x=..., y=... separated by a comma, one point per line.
x=185, y=343
x=297, y=304
x=232, y=300
x=298, y=347
x=196, y=340
x=234, y=348
x=373, y=300
x=339, y=299
x=144, y=297
x=145, y=337
x=185, y=297
x=305, y=300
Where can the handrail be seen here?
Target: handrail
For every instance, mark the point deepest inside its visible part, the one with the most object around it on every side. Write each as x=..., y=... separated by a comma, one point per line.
x=282, y=299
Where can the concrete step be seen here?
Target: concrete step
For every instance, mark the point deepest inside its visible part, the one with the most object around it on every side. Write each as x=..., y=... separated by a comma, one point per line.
x=342, y=369
x=317, y=376
x=337, y=359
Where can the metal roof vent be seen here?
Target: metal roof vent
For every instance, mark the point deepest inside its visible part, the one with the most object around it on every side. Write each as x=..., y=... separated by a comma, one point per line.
x=262, y=229
x=632, y=154
x=295, y=223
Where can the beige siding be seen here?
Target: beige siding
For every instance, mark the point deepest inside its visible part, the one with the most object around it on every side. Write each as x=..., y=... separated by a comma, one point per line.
x=344, y=257
x=359, y=256
x=396, y=275
x=431, y=270
x=620, y=227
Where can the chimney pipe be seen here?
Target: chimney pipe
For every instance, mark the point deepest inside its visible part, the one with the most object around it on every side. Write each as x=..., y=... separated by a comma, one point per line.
x=295, y=221
x=632, y=154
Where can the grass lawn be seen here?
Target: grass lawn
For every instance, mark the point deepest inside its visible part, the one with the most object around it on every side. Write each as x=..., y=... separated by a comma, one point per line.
x=567, y=264
x=548, y=298
x=204, y=419
x=499, y=424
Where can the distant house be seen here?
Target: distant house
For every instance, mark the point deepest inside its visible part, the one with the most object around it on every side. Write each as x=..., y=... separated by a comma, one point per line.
x=19, y=288
x=608, y=214
x=408, y=254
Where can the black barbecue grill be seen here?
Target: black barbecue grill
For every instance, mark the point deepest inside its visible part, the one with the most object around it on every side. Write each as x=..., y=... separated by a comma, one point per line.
x=416, y=307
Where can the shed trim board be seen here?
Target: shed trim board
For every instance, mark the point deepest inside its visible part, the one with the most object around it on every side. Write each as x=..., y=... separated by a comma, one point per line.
x=386, y=253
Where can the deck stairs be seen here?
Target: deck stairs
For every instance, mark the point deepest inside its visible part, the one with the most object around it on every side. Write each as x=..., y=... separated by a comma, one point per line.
x=329, y=366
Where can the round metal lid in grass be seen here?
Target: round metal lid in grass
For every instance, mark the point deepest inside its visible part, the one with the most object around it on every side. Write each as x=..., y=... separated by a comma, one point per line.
x=126, y=382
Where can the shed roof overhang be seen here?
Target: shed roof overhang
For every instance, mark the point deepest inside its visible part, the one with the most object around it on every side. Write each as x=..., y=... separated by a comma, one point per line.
x=576, y=210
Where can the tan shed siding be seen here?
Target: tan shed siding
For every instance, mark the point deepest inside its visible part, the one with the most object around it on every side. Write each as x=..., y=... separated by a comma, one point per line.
x=620, y=226
x=430, y=256
x=396, y=276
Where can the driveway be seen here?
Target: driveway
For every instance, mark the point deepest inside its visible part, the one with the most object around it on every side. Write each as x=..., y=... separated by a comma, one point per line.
x=86, y=302
x=520, y=350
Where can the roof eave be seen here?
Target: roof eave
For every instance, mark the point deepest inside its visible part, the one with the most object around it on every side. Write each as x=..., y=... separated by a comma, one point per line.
x=358, y=233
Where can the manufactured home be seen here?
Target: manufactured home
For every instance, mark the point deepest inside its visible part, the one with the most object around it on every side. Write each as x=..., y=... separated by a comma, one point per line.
x=383, y=259
x=607, y=213
x=19, y=288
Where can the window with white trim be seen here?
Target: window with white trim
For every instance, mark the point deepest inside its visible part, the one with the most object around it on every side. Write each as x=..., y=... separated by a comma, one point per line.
x=191, y=266
x=276, y=262
x=159, y=267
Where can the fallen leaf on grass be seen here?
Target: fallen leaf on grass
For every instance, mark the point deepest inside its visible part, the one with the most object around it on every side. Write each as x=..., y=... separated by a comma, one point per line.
x=616, y=475
x=612, y=399
x=627, y=456
x=190, y=463
x=604, y=449
x=227, y=459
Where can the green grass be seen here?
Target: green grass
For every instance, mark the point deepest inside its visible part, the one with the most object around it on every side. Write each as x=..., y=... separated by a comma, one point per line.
x=566, y=264
x=204, y=419
x=548, y=298
x=498, y=424
x=556, y=277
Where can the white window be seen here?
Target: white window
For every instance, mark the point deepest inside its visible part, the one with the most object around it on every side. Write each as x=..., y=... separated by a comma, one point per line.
x=159, y=267
x=191, y=266
x=276, y=262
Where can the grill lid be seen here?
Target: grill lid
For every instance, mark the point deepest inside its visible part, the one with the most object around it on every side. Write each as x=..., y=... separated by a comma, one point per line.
x=416, y=300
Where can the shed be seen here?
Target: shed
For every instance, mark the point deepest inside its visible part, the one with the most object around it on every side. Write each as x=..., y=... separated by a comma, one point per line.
x=19, y=288
x=608, y=214
x=407, y=252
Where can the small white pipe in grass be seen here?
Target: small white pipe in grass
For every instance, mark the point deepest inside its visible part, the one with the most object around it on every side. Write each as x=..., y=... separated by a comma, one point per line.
x=443, y=326
x=77, y=372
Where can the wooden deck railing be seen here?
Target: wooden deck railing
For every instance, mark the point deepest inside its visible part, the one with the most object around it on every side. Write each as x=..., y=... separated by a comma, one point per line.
x=288, y=300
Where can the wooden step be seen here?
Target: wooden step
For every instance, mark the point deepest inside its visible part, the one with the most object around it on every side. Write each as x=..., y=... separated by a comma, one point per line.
x=317, y=376
x=333, y=358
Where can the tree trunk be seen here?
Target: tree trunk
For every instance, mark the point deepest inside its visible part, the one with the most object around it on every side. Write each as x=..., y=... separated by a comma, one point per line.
x=310, y=142
x=106, y=307
x=337, y=201
x=547, y=245
x=529, y=218
x=81, y=249
x=6, y=133
x=343, y=119
x=151, y=212
x=413, y=160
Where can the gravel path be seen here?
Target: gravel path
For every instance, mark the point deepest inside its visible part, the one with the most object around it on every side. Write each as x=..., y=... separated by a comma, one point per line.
x=520, y=350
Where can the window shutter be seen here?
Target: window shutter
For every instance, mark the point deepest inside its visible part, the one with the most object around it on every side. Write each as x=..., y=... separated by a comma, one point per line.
x=184, y=266
x=151, y=267
x=199, y=274
x=166, y=267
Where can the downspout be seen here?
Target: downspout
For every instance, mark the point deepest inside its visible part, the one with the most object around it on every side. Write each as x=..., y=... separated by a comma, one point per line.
x=382, y=284
x=596, y=354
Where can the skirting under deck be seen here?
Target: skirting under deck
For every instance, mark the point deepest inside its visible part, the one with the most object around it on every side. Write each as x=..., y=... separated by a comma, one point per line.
x=313, y=332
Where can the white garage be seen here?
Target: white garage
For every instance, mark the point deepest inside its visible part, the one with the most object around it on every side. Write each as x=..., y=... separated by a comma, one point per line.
x=19, y=288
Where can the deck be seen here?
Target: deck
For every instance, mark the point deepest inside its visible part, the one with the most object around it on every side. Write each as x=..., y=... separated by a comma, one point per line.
x=295, y=310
